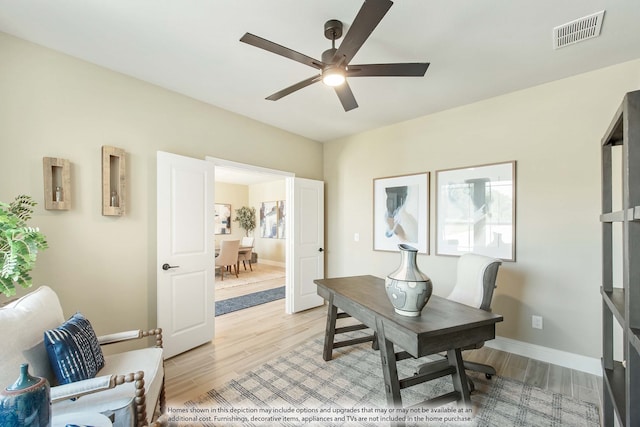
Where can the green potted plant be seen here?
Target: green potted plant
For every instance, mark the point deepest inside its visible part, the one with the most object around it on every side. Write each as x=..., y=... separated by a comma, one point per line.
x=19, y=244
x=246, y=216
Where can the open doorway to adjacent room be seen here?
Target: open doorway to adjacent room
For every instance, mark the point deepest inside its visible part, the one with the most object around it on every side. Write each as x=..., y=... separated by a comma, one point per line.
x=261, y=280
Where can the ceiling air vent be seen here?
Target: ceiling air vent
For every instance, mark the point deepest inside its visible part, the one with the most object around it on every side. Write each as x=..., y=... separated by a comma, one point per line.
x=576, y=31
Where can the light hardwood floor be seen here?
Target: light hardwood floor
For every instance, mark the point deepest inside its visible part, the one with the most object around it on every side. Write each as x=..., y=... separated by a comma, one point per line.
x=247, y=338
x=243, y=340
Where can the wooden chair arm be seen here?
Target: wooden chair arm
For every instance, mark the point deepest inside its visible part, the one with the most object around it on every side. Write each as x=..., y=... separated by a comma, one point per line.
x=131, y=335
x=162, y=421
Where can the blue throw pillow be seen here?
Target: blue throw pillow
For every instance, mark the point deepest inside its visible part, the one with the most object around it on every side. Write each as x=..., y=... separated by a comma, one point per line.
x=73, y=349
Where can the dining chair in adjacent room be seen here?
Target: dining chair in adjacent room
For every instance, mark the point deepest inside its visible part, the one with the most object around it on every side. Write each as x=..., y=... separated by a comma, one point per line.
x=245, y=255
x=228, y=257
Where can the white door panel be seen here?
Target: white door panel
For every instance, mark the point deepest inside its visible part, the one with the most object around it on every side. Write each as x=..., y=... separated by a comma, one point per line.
x=306, y=244
x=185, y=306
x=183, y=286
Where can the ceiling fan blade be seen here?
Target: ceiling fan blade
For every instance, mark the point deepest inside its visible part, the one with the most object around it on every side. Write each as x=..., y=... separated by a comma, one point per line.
x=368, y=18
x=409, y=69
x=281, y=50
x=293, y=88
x=346, y=96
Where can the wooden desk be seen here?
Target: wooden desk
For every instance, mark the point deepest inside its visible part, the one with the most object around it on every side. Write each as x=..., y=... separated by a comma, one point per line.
x=443, y=326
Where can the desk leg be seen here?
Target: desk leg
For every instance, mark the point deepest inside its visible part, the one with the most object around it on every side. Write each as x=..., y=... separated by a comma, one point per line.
x=389, y=368
x=330, y=330
x=459, y=378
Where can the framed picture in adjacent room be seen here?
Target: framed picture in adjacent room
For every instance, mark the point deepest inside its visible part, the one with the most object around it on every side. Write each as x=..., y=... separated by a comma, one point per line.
x=475, y=210
x=222, y=219
x=282, y=220
x=269, y=220
x=401, y=212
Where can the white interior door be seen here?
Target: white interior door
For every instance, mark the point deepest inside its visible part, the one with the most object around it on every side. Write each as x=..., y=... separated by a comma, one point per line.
x=186, y=252
x=306, y=243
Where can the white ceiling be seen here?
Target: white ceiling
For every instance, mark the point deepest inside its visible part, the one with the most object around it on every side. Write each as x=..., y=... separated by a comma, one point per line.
x=477, y=49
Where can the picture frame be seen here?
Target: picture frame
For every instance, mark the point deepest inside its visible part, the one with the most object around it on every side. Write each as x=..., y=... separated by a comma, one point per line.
x=282, y=220
x=401, y=212
x=222, y=218
x=475, y=210
x=269, y=220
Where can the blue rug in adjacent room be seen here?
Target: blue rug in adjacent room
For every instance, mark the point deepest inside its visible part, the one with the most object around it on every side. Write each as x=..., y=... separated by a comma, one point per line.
x=250, y=300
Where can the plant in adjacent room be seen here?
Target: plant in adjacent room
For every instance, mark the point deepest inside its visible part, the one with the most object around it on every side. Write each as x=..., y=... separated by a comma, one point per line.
x=19, y=244
x=246, y=216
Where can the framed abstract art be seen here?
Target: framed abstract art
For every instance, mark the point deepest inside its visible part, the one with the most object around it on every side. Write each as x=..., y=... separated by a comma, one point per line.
x=475, y=210
x=269, y=220
x=401, y=212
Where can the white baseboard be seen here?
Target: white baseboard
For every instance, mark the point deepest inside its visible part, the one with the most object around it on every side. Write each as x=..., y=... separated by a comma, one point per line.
x=274, y=263
x=578, y=362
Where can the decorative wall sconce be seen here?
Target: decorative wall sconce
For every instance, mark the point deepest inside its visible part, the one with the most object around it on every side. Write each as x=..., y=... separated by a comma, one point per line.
x=57, y=183
x=113, y=181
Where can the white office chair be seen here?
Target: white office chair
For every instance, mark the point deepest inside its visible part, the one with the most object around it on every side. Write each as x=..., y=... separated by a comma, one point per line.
x=475, y=282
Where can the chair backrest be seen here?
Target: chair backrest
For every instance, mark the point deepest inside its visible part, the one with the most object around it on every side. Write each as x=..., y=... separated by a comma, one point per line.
x=23, y=323
x=475, y=280
x=247, y=241
x=228, y=252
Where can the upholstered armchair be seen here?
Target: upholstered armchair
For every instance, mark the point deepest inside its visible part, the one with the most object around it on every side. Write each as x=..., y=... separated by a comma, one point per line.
x=129, y=388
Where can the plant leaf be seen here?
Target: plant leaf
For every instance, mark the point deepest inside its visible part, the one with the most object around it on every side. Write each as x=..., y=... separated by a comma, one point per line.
x=19, y=244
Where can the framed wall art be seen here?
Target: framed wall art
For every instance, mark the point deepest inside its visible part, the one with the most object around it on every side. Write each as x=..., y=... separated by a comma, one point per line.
x=282, y=220
x=222, y=218
x=475, y=210
x=401, y=212
x=269, y=220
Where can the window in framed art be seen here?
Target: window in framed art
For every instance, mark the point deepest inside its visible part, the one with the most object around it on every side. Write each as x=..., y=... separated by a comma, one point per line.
x=401, y=212
x=476, y=210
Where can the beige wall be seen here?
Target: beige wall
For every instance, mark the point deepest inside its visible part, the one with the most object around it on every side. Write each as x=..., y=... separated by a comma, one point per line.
x=237, y=196
x=268, y=250
x=52, y=105
x=553, y=131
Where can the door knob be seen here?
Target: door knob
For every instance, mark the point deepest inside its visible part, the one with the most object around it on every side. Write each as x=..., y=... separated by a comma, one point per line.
x=166, y=266
x=320, y=250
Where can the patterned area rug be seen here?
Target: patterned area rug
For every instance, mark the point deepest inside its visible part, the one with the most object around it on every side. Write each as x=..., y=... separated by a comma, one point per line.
x=249, y=300
x=300, y=388
x=260, y=273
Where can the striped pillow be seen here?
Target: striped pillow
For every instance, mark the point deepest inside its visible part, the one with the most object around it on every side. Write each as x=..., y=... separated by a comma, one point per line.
x=73, y=349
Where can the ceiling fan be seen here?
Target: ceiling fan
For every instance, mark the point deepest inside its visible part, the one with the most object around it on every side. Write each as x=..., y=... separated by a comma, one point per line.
x=335, y=65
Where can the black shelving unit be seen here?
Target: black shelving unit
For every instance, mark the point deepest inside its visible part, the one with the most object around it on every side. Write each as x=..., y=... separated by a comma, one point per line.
x=622, y=305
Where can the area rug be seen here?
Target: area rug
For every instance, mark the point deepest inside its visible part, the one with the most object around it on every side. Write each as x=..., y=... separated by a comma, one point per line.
x=249, y=300
x=300, y=388
x=260, y=273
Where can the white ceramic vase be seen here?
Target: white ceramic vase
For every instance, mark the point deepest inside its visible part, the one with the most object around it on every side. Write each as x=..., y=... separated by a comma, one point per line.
x=407, y=287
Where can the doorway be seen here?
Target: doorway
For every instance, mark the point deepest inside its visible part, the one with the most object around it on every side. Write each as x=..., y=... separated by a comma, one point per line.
x=185, y=223
x=264, y=280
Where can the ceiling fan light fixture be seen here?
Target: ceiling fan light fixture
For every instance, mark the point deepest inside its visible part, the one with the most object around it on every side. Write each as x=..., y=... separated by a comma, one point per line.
x=333, y=76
